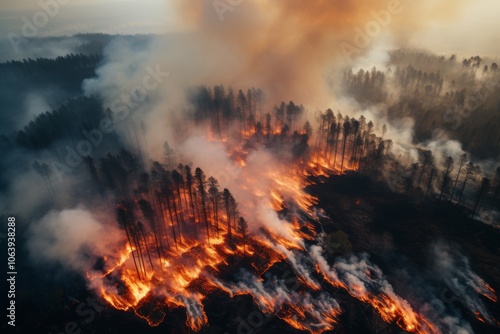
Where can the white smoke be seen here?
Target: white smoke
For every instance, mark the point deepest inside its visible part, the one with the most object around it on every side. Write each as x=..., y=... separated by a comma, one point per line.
x=75, y=238
x=316, y=312
x=467, y=286
x=360, y=277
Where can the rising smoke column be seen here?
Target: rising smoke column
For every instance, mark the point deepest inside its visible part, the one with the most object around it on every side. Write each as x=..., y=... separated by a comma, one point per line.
x=288, y=47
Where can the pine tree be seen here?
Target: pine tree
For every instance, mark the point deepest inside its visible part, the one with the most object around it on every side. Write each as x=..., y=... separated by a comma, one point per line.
x=213, y=191
x=148, y=213
x=483, y=189
x=226, y=194
x=124, y=217
x=346, y=133
x=448, y=165
x=243, y=229
x=463, y=159
x=201, y=180
x=469, y=173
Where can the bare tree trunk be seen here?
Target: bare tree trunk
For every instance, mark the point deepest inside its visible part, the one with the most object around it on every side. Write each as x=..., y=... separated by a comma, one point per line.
x=456, y=180
x=463, y=188
x=431, y=177
x=343, y=154
x=147, y=250
x=141, y=258
x=172, y=222
x=132, y=251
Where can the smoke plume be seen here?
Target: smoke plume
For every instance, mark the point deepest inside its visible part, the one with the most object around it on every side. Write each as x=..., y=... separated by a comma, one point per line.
x=288, y=48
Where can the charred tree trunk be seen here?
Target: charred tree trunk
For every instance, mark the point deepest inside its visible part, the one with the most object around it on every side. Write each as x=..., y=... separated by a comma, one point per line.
x=132, y=251
x=485, y=184
x=141, y=230
x=462, y=162
x=431, y=177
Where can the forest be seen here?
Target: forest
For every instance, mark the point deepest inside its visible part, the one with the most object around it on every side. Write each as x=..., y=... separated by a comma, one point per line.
x=176, y=242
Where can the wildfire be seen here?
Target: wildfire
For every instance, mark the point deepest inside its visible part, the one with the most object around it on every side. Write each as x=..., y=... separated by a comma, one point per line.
x=181, y=270
x=178, y=281
x=361, y=283
x=318, y=165
x=486, y=290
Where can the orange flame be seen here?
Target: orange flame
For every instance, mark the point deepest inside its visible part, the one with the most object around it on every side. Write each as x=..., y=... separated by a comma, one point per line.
x=185, y=274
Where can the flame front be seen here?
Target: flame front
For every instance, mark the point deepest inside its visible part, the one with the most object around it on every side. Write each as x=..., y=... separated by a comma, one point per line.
x=188, y=267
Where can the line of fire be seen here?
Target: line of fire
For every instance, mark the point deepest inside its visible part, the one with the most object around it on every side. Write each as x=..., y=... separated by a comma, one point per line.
x=185, y=237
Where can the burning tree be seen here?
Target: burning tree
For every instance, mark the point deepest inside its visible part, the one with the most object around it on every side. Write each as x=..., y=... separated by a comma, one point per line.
x=173, y=202
x=243, y=229
x=200, y=178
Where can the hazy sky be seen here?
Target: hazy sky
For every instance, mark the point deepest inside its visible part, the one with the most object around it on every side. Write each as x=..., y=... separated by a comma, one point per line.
x=87, y=16
x=475, y=28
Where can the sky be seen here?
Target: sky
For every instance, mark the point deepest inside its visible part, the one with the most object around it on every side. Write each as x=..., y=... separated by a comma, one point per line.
x=474, y=27
x=89, y=16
